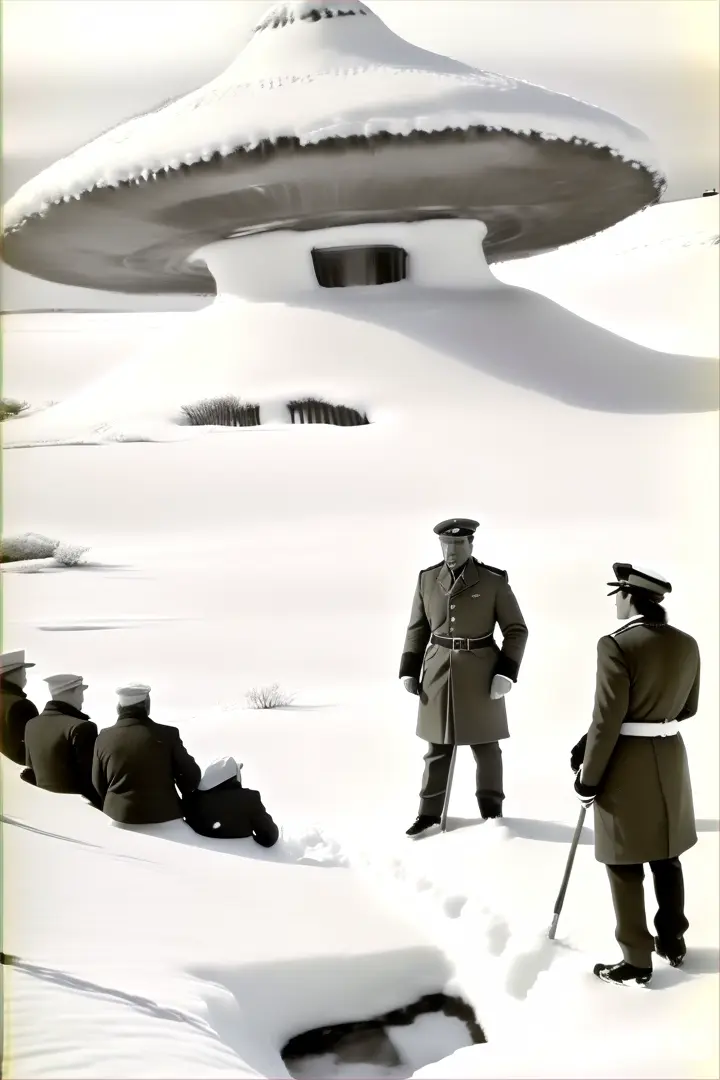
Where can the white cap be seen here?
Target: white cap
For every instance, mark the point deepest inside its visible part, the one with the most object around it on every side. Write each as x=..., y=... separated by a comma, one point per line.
x=218, y=771
x=59, y=684
x=11, y=661
x=132, y=693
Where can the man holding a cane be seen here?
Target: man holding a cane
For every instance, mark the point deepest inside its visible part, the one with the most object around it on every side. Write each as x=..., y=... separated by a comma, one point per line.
x=452, y=662
x=632, y=765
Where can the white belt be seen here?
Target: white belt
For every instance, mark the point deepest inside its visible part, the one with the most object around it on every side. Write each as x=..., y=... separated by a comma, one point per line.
x=661, y=730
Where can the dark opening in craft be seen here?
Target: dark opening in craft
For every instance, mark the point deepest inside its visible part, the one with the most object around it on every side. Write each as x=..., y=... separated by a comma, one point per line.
x=337, y=268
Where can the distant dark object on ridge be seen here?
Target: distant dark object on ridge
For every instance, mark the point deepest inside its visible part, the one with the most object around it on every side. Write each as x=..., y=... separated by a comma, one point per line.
x=709, y=191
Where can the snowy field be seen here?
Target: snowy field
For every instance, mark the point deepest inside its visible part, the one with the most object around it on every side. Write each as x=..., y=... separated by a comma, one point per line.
x=244, y=557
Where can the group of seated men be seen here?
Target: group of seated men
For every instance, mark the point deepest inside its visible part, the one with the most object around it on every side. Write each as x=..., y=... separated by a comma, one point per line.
x=136, y=771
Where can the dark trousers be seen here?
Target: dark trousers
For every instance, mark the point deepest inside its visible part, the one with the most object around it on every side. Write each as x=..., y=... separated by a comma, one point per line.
x=488, y=759
x=631, y=933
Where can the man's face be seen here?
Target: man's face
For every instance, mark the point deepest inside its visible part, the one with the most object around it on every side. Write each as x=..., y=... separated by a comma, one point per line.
x=623, y=603
x=456, y=551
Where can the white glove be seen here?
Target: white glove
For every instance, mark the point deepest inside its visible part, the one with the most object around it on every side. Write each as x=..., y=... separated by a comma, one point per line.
x=500, y=686
x=411, y=684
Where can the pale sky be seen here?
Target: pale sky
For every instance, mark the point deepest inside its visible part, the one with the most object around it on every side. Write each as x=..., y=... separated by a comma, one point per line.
x=72, y=68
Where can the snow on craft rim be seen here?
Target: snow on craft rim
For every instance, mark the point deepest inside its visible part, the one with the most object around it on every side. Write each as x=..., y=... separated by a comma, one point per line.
x=309, y=79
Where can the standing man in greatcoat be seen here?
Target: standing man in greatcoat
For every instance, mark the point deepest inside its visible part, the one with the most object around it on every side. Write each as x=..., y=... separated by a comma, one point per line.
x=15, y=706
x=635, y=770
x=452, y=662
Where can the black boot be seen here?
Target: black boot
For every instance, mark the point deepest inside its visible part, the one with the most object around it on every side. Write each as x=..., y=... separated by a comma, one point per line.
x=674, y=954
x=422, y=823
x=623, y=974
x=489, y=807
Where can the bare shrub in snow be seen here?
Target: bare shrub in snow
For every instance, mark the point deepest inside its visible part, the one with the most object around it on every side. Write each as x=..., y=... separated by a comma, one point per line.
x=27, y=546
x=313, y=410
x=9, y=408
x=227, y=411
x=33, y=547
x=269, y=697
x=69, y=554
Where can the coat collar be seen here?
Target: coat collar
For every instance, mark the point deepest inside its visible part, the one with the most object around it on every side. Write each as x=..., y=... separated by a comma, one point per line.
x=9, y=687
x=131, y=714
x=468, y=577
x=64, y=709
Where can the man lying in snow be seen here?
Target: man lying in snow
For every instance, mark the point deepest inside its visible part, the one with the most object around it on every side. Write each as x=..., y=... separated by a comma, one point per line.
x=138, y=764
x=222, y=807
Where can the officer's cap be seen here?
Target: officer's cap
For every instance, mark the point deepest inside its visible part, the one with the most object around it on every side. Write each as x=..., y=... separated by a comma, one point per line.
x=132, y=693
x=456, y=528
x=631, y=577
x=60, y=684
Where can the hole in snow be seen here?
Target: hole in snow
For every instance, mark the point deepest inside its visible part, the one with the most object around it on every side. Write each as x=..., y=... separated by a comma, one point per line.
x=396, y=1044
x=337, y=268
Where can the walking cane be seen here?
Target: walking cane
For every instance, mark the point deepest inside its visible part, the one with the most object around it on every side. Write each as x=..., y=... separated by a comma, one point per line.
x=443, y=819
x=571, y=858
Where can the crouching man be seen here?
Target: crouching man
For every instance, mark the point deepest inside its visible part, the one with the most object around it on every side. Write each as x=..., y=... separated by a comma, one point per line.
x=635, y=770
x=59, y=743
x=222, y=807
x=139, y=766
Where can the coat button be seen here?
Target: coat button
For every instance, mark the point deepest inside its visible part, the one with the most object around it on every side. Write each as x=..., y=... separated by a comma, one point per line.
x=452, y=607
x=452, y=618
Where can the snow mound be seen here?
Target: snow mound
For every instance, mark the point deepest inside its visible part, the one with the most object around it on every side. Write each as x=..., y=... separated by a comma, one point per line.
x=313, y=80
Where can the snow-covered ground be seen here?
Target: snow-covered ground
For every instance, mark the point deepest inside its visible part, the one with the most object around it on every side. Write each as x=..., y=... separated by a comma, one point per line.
x=245, y=557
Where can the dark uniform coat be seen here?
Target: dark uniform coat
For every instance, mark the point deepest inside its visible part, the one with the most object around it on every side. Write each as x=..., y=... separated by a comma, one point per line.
x=137, y=766
x=644, y=809
x=59, y=747
x=230, y=811
x=15, y=711
x=455, y=704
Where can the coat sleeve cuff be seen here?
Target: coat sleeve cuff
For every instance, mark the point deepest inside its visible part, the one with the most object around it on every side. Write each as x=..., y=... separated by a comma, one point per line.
x=410, y=666
x=586, y=790
x=507, y=667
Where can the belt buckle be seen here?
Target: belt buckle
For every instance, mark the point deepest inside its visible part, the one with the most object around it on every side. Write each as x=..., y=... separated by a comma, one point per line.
x=457, y=643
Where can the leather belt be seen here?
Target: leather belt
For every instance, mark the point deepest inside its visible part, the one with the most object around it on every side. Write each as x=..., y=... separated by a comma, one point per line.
x=462, y=644
x=652, y=729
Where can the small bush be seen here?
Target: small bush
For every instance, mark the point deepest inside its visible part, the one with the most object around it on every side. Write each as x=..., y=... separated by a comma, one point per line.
x=318, y=411
x=269, y=697
x=28, y=546
x=69, y=554
x=32, y=546
x=10, y=408
x=222, y=412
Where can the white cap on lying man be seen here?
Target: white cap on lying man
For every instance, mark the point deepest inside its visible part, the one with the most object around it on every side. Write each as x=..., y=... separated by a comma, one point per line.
x=61, y=684
x=218, y=771
x=132, y=693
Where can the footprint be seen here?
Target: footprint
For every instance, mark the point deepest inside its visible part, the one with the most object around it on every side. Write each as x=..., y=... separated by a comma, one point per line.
x=525, y=968
x=453, y=906
x=498, y=936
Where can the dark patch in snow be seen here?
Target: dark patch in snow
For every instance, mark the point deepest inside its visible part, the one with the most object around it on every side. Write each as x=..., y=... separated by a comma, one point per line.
x=370, y=1042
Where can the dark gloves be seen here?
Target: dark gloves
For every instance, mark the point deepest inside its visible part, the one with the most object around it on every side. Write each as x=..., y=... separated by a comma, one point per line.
x=577, y=754
x=28, y=776
x=585, y=793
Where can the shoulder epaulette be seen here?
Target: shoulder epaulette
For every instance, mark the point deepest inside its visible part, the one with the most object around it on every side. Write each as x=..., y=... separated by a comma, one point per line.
x=496, y=570
x=433, y=567
x=624, y=629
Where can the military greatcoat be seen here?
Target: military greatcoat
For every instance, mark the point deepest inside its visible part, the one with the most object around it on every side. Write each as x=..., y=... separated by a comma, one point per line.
x=644, y=810
x=455, y=703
